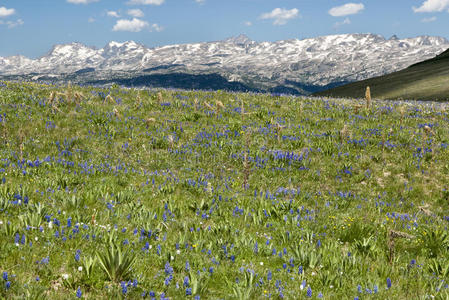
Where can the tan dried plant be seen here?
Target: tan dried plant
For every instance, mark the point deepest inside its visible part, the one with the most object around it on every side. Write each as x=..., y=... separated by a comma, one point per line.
x=149, y=121
x=51, y=98
x=344, y=132
x=160, y=99
x=69, y=92
x=108, y=99
x=78, y=97
x=220, y=106
x=368, y=97
x=116, y=113
x=208, y=106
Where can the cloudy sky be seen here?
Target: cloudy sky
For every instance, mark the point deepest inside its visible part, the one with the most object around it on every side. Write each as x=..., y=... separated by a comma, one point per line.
x=32, y=27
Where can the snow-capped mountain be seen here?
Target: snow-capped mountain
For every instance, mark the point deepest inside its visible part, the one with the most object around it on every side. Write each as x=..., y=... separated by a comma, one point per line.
x=294, y=63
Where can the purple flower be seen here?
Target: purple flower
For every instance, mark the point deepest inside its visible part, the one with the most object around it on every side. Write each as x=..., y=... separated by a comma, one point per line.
x=77, y=255
x=168, y=268
x=309, y=292
x=79, y=293
x=188, y=291
x=124, y=287
x=388, y=283
x=8, y=285
x=5, y=276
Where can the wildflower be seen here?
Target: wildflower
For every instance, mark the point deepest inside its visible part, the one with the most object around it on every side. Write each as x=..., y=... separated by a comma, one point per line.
x=309, y=292
x=187, y=266
x=77, y=255
x=124, y=287
x=269, y=275
x=320, y=295
x=5, y=276
x=168, y=268
x=388, y=283
x=78, y=293
x=188, y=291
x=303, y=285
x=186, y=281
x=8, y=285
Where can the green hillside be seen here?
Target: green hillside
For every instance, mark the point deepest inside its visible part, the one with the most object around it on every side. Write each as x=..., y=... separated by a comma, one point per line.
x=427, y=80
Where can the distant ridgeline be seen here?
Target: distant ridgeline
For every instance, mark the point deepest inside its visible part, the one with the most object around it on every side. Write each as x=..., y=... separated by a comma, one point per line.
x=426, y=80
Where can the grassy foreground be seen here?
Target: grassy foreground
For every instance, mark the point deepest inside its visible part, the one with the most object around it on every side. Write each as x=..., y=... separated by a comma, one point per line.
x=113, y=193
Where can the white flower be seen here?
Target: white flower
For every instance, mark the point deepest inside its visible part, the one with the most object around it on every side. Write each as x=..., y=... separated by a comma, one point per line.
x=36, y=238
x=50, y=224
x=80, y=268
x=178, y=251
x=172, y=258
x=261, y=263
x=65, y=276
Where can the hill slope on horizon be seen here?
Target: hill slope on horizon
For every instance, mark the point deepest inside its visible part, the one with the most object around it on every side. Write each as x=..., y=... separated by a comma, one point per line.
x=426, y=80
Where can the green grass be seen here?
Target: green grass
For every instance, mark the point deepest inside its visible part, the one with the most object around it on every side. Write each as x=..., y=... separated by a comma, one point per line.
x=426, y=80
x=117, y=199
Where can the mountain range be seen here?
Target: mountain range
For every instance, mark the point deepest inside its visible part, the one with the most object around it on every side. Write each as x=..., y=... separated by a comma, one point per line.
x=238, y=63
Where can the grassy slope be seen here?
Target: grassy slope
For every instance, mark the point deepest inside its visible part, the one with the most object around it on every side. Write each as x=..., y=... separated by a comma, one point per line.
x=427, y=80
x=326, y=183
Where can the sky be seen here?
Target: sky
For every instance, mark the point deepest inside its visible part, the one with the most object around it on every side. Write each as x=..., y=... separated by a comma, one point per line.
x=32, y=27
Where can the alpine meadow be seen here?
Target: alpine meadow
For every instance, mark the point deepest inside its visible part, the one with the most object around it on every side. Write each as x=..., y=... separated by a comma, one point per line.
x=224, y=150
x=114, y=193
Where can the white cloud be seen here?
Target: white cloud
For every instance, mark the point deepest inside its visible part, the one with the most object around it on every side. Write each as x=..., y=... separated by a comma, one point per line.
x=145, y=2
x=156, y=28
x=82, y=1
x=346, y=21
x=91, y=20
x=134, y=25
x=5, y=12
x=428, y=20
x=113, y=14
x=346, y=9
x=432, y=6
x=281, y=15
x=248, y=23
x=200, y=1
x=12, y=24
x=136, y=13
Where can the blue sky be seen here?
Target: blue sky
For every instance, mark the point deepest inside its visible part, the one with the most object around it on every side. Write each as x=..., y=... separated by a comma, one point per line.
x=32, y=27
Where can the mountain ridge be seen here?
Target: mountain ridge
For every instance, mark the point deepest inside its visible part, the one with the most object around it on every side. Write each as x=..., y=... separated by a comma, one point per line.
x=314, y=62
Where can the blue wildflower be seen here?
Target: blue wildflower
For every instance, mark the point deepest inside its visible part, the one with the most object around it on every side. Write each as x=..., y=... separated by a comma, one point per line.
x=79, y=293
x=188, y=291
x=309, y=292
x=124, y=287
x=388, y=283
